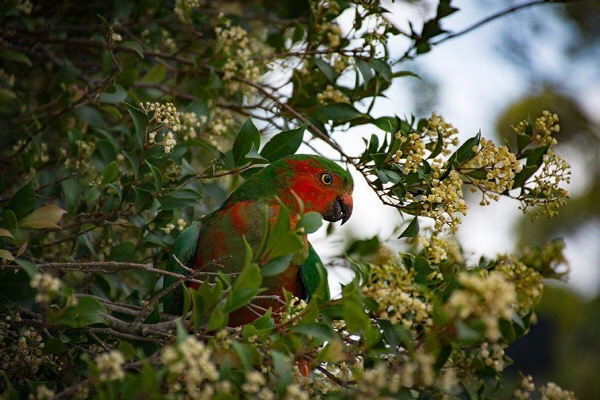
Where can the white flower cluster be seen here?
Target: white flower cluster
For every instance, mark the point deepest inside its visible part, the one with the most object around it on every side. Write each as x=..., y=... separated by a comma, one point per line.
x=47, y=286
x=487, y=296
x=241, y=53
x=332, y=95
x=183, y=8
x=162, y=116
x=499, y=167
x=190, y=362
x=110, y=366
x=398, y=298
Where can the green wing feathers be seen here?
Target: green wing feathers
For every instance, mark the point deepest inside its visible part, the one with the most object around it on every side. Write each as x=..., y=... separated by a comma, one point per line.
x=184, y=249
x=314, y=276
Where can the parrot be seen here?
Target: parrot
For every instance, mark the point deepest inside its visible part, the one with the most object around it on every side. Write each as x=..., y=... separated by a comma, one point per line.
x=300, y=183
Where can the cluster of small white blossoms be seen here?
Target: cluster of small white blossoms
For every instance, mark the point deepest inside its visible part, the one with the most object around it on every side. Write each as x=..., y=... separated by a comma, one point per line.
x=551, y=391
x=324, y=26
x=527, y=281
x=195, y=373
x=485, y=295
x=398, y=298
x=410, y=156
x=545, y=186
x=7, y=80
x=437, y=248
x=445, y=201
x=183, y=8
x=181, y=224
x=544, y=128
x=190, y=124
x=500, y=167
x=24, y=6
x=110, y=366
x=162, y=116
x=241, y=53
x=47, y=286
x=116, y=37
x=526, y=387
x=42, y=393
x=493, y=355
x=22, y=353
x=293, y=309
x=438, y=126
x=332, y=95
x=546, y=191
x=393, y=374
x=221, y=122
x=415, y=151
x=255, y=386
x=83, y=161
x=318, y=384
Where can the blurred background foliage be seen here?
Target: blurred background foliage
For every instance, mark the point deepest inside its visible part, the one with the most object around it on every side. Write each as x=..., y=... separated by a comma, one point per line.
x=566, y=342
x=73, y=67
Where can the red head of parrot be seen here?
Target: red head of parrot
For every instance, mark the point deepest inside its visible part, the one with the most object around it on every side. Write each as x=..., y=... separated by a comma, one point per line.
x=321, y=185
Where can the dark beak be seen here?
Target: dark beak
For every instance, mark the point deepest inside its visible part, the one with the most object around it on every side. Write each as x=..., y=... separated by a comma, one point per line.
x=341, y=209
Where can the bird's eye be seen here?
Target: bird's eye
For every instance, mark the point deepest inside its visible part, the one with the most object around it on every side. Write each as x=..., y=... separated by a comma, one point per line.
x=326, y=178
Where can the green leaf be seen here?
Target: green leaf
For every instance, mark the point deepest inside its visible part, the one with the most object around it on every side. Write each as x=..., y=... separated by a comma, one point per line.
x=325, y=68
x=283, y=370
x=276, y=265
x=182, y=333
x=316, y=330
x=71, y=189
x=337, y=112
x=217, y=320
x=110, y=172
x=247, y=138
x=365, y=70
x=135, y=46
x=465, y=151
x=310, y=222
x=240, y=297
x=86, y=312
x=438, y=146
x=522, y=141
x=524, y=174
x=254, y=156
x=15, y=56
x=365, y=247
x=536, y=157
x=412, y=230
x=45, y=217
x=113, y=94
x=248, y=355
x=156, y=74
x=9, y=392
x=158, y=182
x=283, y=144
x=6, y=255
x=15, y=288
x=143, y=199
x=508, y=331
x=134, y=159
x=179, y=198
x=249, y=278
x=23, y=200
x=140, y=122
x=443, y=356
x=91, y=115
